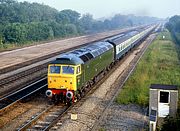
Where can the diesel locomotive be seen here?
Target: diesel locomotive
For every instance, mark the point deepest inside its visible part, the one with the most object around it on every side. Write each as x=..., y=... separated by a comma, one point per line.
x=74, y=72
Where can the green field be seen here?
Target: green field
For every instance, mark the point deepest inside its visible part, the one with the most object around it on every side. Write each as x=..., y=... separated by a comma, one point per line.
x=159, y=65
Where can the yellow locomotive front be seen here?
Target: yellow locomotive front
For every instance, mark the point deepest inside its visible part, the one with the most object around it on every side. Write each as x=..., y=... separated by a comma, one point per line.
x=62, y=82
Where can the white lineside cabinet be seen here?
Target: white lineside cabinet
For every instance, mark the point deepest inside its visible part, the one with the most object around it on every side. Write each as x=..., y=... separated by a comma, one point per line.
x=164, y=100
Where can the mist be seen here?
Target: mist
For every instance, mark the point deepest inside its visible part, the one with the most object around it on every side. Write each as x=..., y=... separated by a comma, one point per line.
x=101, y=8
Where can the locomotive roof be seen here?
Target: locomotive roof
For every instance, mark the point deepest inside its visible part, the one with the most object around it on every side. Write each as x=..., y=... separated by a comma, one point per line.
x=84, y=54
x=123, y=37
x=67, y=59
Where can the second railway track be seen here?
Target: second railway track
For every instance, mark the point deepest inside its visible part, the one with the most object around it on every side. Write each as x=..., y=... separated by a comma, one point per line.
x=28, y=72
x=11, y=99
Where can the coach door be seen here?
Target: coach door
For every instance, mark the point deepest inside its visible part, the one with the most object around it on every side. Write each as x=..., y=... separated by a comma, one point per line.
x=163, y=104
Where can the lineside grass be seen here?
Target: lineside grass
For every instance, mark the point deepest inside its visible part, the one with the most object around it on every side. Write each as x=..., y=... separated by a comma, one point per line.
x=159, y=65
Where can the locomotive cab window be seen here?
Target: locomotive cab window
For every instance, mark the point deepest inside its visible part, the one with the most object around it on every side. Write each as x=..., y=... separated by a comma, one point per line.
x=55, y=69
x=67, y=70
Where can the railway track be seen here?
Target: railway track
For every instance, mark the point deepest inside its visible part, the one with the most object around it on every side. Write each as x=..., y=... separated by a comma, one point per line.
x=45, y=119
x=11, y=99
x=28, y=72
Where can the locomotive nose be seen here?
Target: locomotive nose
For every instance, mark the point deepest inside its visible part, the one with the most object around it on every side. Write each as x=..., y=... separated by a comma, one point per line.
x=69, y=95
x=49, y=93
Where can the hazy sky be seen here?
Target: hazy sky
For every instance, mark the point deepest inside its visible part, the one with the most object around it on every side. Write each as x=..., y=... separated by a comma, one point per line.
x=103, y=8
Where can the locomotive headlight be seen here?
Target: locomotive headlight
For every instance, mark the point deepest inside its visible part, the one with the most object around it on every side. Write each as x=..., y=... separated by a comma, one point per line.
x=62, y=87
x=49, y=93
x=69, y=95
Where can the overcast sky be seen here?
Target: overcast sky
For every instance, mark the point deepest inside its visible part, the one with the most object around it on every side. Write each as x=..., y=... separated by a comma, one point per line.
x=106, y=8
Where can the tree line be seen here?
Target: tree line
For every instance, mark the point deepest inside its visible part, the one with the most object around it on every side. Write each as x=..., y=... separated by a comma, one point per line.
x=22, y=22
x=174, y=27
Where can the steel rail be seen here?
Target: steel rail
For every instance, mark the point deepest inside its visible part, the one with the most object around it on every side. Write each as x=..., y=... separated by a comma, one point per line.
x=34, y=118
x=11, y=99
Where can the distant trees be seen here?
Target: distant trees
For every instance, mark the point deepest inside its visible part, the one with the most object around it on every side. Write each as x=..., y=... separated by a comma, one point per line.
x=174, y=27
x=70, y=15
x=86, y=22
x=174, y=24
x=15, y=33
x=19, y=33
x=14, y=12
x=21, y=22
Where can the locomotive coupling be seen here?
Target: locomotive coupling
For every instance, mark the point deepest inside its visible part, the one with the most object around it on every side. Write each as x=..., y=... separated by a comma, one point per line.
x=69, y=95
x=49, y=93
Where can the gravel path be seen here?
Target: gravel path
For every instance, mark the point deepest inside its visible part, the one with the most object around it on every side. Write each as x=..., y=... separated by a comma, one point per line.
x=18, y=84
x=125, y=118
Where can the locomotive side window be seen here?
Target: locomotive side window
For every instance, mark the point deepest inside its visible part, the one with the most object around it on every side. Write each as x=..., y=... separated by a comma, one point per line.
x=55, y=69
x=78, y=70
x=67, y=70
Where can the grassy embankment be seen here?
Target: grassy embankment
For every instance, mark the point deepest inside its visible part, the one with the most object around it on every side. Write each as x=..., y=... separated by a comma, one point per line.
x=159, y=65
